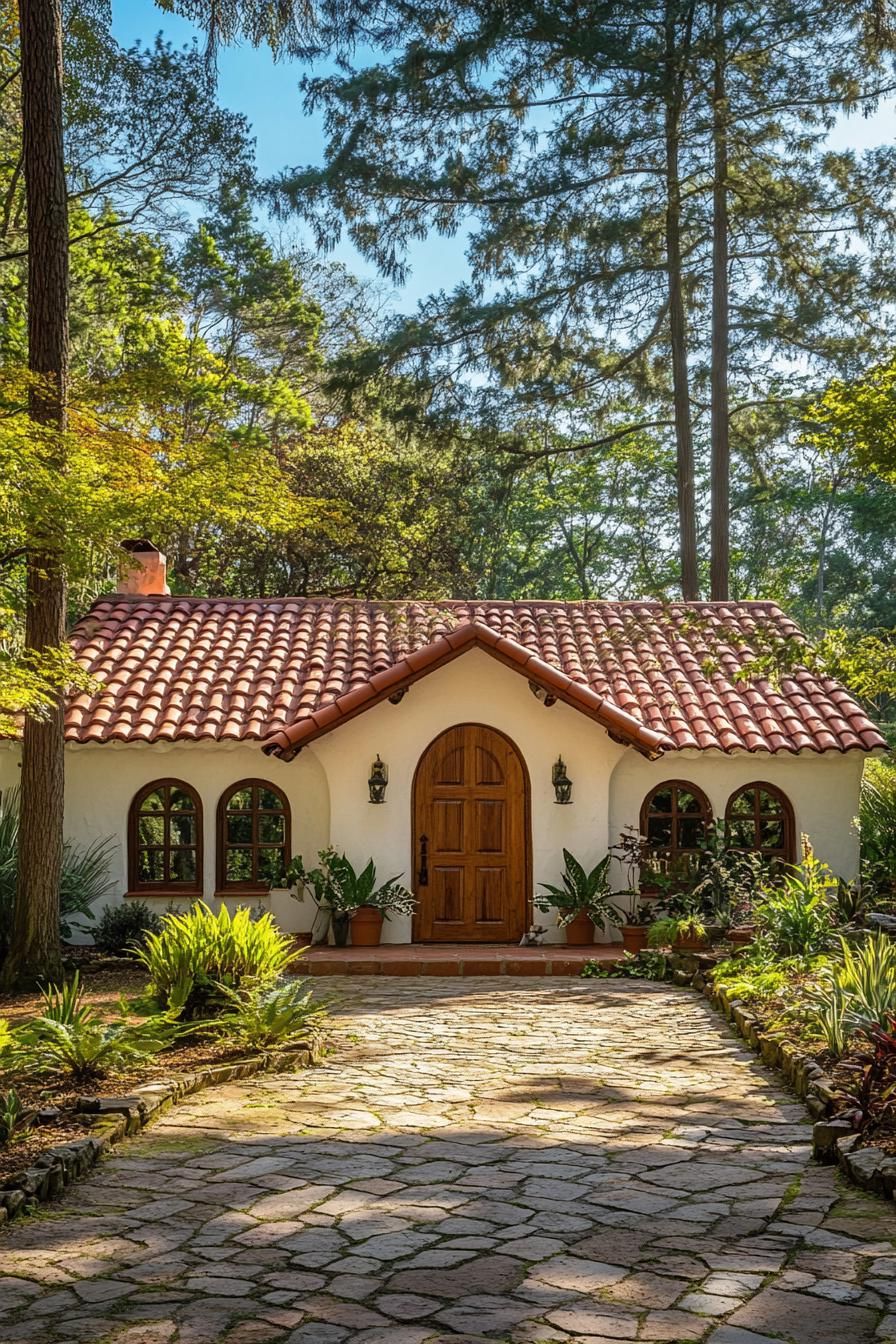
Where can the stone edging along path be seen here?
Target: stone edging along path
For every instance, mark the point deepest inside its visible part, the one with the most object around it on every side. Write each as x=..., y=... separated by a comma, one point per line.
x=833, y=1140
x=57, y=1167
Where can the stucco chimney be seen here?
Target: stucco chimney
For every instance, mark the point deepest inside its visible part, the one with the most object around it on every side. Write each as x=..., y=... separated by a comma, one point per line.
x=142, y=569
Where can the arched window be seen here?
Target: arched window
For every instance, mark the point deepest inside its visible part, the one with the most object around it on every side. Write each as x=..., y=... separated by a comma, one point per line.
x=759, y=817
x=253, y=837
x=674, y=818
x=165, y=839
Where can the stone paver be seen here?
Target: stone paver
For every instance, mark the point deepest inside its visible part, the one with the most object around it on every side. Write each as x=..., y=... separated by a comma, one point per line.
x=509, y=1159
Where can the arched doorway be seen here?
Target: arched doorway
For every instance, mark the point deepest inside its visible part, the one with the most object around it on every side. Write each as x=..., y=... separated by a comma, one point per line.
x=471, y=853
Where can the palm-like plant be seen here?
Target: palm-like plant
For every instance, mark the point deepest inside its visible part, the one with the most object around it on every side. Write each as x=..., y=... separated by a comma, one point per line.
x=84, y=881
x=582, y=893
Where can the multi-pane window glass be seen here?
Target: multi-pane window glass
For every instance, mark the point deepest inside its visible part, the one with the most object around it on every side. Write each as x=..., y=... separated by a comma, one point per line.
x=674, y=821
x=254, y=823
x=758, y=818
x=166, y=837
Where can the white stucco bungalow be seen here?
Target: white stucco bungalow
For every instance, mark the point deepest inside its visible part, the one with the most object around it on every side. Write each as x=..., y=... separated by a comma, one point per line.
x=225, y=735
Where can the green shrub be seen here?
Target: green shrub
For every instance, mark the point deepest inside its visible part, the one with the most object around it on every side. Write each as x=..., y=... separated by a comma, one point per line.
x=260, y=1016
x=868, y=979
x=858, y=994
x=830, y=1018
x=197, y=952
x=756, y=975
x=122, y=928
x=642, y=965
x=667, y=930
x=69, y=1037
x=15, y=1120
x=85, y=874
x=877, y=826
x=796, y=916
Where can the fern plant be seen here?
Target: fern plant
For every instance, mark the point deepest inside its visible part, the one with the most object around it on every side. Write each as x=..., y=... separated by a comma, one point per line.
x=260, y=1016
x=197, y=952
x=70, y=1037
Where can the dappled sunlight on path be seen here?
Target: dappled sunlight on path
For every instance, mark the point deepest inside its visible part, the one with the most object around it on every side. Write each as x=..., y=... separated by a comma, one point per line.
x=503, y=1159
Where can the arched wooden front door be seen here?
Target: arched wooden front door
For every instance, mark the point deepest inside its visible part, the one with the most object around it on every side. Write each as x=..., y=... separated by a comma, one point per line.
x=471, y=839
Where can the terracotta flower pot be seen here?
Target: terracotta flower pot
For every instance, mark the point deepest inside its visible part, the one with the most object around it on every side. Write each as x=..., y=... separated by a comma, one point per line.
x=367, y=926
x=634, y=937
x=580, y=931
x=690, y=943
x=340, y=925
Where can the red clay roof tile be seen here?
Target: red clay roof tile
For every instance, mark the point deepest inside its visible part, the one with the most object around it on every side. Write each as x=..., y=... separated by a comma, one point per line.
x=284, y=670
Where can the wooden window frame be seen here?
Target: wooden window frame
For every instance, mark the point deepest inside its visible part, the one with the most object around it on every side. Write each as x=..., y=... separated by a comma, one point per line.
x=789, y=854
x=675, y=784
x=251, y=886
x=168, y=886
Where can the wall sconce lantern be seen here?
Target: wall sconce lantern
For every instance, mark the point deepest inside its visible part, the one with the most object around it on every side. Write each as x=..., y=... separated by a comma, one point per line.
x=561, y=782
x=379, y=778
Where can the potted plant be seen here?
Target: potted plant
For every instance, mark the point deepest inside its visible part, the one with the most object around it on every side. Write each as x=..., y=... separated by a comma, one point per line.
x=724, y=883
x=684, y=933
x=368, y=903
x=630, y=851
x=636, y=925
x=582, y=901
x=349, y=899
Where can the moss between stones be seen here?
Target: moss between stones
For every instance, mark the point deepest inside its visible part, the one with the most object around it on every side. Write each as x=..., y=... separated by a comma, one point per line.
x=58, y=1167
x=833, y=1140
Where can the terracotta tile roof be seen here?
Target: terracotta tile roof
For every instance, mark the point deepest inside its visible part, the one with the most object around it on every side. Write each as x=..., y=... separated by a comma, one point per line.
x=662, y=676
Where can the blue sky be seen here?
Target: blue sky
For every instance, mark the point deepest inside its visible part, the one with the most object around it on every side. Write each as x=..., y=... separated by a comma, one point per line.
x=267, y=93
x=249, y=81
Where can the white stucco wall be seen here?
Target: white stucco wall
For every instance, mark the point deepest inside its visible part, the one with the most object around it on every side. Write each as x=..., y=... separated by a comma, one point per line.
x=101, y=780
x=327, y=783
x=823, y=791
x=475, y=688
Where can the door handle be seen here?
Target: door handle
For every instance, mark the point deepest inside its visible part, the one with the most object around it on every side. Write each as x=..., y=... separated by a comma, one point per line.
x=423, y=871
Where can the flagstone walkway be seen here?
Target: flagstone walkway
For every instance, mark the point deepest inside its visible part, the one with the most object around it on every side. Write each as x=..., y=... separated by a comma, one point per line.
x=518, y=1160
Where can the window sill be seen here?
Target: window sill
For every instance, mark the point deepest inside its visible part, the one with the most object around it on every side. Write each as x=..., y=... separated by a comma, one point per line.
x=228, y=893
x=165, y=894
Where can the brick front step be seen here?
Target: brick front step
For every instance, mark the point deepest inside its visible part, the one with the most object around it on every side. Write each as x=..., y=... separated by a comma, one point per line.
x=456, y=959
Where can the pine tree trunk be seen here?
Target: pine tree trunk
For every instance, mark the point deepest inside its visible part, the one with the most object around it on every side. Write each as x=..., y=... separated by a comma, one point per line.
x=720, y=463
x=34, y=950
x=684, y=439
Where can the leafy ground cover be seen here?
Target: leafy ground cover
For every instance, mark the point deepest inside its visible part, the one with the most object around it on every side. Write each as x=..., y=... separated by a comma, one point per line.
x=204, y=989
x=820, y=970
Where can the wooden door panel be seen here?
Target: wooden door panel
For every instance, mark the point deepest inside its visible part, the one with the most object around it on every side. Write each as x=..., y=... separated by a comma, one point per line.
x=471, y=803
x=489, y=769
x=447, y=827
x=490, y=895
x=447, y=895
x=488, y=825
x=450, y=765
